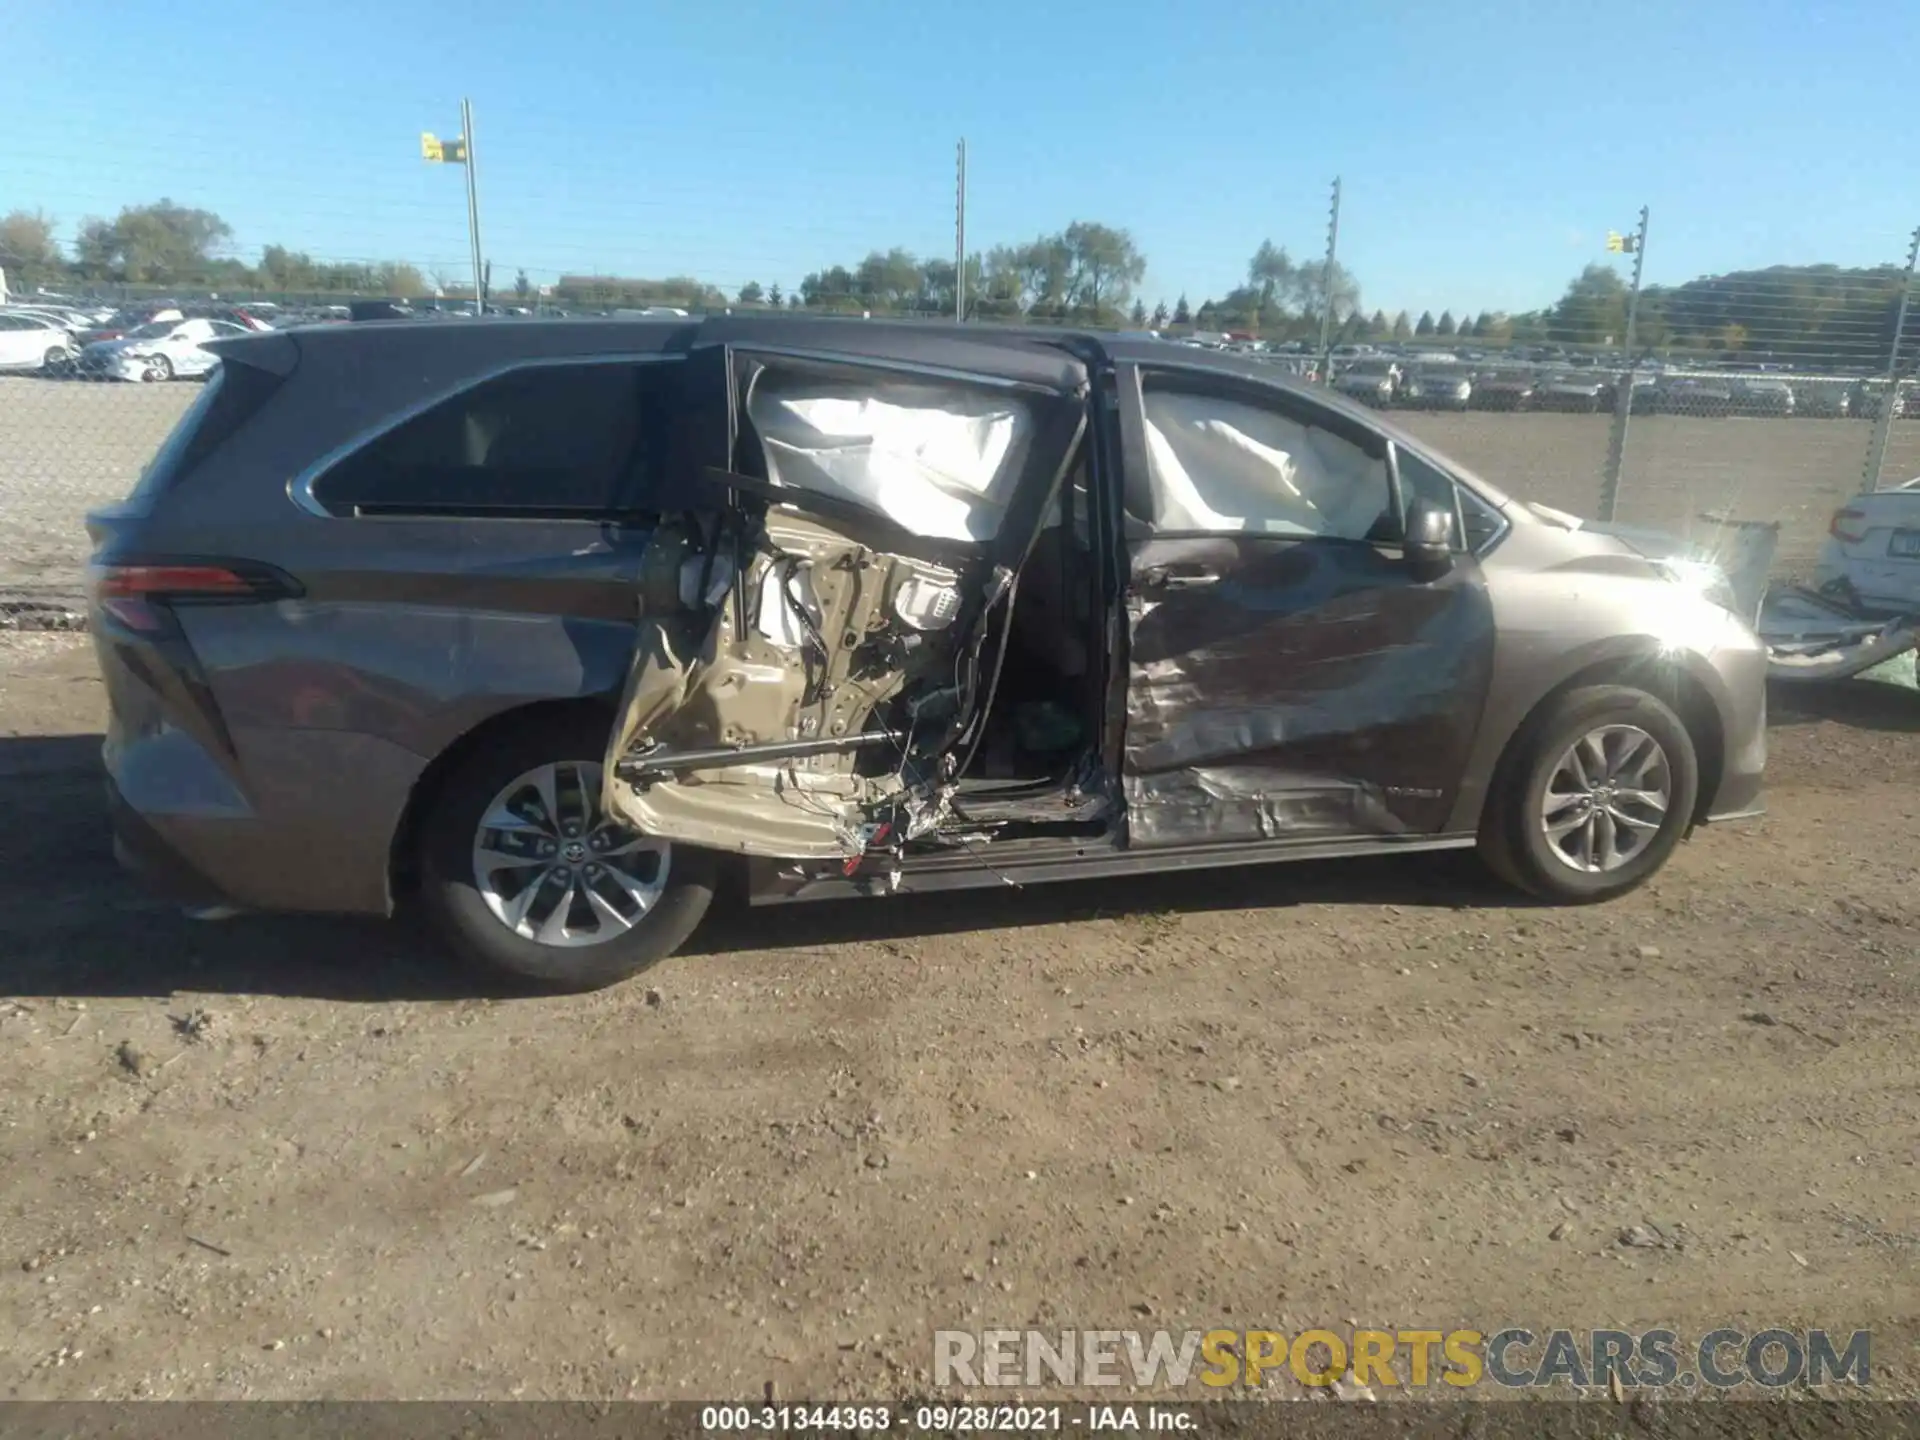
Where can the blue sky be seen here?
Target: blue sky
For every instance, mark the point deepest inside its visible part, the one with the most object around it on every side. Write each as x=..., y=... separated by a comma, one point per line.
x=1485, y=149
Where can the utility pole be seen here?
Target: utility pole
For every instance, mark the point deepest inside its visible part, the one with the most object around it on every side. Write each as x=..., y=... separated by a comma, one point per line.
x=960, y=237
x=1890, y=404
x=1326, y=287
x=1623, y=388
x=473, y=205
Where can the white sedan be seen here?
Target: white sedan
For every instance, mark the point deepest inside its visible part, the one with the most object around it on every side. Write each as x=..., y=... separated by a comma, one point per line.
x=33, y=342
x=159, y=350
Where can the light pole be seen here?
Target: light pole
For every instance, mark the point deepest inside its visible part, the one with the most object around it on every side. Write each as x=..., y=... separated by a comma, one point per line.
x=459, y=151
x=1623, y=392
x=473, y=205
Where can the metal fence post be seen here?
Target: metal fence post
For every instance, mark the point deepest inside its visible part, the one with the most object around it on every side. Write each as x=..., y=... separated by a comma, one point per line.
x=1890, y=403
x=960, y=234
x=473, y=208
x=1326, y=289
x=1623, y=387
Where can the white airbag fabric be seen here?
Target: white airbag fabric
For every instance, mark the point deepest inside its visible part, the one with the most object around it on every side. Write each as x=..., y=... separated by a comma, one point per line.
x=1219, y=465
x=939, y=462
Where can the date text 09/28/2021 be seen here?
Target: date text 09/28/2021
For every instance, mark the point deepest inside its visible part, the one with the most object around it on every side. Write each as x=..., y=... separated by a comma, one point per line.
x=942, y=1419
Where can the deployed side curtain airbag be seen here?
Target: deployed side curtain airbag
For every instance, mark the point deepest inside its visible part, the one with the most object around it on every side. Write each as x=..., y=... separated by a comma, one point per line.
x=939, y=461
x=1220, y=465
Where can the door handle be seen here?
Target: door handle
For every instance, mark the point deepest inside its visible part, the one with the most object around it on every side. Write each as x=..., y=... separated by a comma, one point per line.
x=1180, y=577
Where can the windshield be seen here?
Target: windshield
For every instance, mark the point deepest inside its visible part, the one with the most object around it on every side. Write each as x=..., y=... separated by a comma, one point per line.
x=153, y=330
x=1371, y=367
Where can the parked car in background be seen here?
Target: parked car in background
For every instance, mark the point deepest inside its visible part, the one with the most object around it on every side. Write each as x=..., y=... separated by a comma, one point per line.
x=124, y=322
x=381, y=310
x=1706, y=396
x=1761, y=396
x=1828, y=399
x=1569, y=390
x=1437, y=387
x=71, y=321
x=34, y=342
x=1503, y=389
x=1374, y=382
x=1870, y=399
x=574, y=603
x=159, y=350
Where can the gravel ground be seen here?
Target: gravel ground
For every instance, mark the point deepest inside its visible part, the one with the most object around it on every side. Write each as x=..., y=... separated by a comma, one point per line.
x=287, y=1158
x=65, y=448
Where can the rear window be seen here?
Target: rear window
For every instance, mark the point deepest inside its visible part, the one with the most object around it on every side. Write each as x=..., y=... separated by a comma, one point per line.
x=552, y=440
x=228, y=400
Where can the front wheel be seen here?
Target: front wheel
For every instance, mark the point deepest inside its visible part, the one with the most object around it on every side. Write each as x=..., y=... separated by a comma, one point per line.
x=158, y=368
x=524, y=871
x=1592, y=797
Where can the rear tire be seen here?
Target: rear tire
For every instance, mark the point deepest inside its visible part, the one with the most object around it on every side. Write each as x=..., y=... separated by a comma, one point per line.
x=660, y=903
x=1592, y=796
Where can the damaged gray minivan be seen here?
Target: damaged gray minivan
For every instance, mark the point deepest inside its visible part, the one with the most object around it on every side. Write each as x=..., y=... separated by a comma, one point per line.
x=550, y=625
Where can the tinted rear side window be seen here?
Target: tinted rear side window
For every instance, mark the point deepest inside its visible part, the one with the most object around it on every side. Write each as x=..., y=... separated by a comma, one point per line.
x=231, y=396
x=548, y=440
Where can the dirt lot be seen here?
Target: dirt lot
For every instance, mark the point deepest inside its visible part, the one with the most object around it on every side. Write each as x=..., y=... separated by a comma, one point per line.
x=65, y=448
x=298, y=1158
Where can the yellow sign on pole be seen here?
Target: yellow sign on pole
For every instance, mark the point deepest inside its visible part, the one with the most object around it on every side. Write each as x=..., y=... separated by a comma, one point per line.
x=1621, y=244
x=443, y=152
x=430, y=146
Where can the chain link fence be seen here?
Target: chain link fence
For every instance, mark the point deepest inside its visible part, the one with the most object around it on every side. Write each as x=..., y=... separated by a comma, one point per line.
x=67, y=447
x=1771, y=417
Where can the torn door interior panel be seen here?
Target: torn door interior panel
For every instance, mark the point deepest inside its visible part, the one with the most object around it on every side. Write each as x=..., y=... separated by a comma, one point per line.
x=1309, y=693
x=818, y=608
x=819, y=638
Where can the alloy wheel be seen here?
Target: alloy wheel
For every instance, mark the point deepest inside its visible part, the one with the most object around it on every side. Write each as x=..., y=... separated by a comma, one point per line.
x=554, y=869
x=1606, y=799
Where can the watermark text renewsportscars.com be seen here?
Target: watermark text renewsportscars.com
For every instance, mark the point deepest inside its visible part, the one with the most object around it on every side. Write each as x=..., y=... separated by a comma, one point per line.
x=1513, y=1358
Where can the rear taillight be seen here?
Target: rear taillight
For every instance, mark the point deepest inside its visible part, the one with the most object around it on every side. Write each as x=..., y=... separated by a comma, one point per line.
x=1848, y=526
x=136, y=593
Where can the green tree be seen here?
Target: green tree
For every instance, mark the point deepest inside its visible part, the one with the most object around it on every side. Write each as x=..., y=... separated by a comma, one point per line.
x=1593, y=311
x=1446, y=325
x=751, y=293
x=834, y=288
x=1138, y=316
x=1182, y=315
x=1275, y=281
x=1402, y=330
x=1104, y=266
x=1425, y=327
x=1320, y=286
x=793, y=301
x=522, y=286
x=774, y=297
x=28, y=251
x=162, y=242
x=1160, y=315
x=399, y=279
x=1379, y=327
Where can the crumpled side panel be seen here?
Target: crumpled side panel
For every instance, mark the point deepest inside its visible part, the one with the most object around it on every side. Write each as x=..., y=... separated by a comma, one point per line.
x=1308, y=693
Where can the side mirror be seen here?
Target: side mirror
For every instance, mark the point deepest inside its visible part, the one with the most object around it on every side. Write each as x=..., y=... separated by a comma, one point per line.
x=1429, y=543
